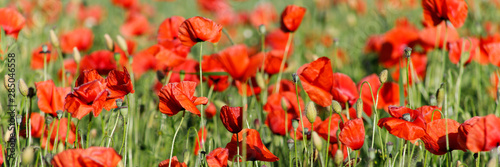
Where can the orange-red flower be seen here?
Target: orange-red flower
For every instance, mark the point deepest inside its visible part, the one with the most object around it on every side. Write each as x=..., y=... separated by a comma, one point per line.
x=256, y=150
x=405, y=123
x=291, y=17
x=334, y=122
x=90, y=15
x=91, y=96
x=489, y=47
x=218, y=157
x=1, y=155
x=395, y=41
x=12, y=21
x=213, y=5
x=127, y=4
x=175, y=163
x=428, y=36
x=388, y=95
x=297, y=134
x=470, y=46
x=430, y=113
x=344, y=89
x=236, y=61
x=200, y=140
x=103, y=61
x=37, y=125
x=190, y=68
x=136, y=24
x=63, y=129
x=436, y=11
x=211, y=64
x=352, y=133
x=435, y=136
x=119, y=83
x=316, y=78
x=484, y=135
x=273, y=61
x=463, y=130
x=199, y=29
x=277, y=40
x=232, y=118
x=50, y=97
x=211, y=110
x=178, y=96
x=81, y=38
x=169, y=29
x=70, y=67
x=93, y=156
x=263, y=14
x=38, y=55
x=290, y=98
x=419, y=67
x=277, y=122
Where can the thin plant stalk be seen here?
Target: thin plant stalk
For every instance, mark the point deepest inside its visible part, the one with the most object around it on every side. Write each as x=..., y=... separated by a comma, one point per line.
x=88, y=130
x=300, y=112
x=201, y=90
x=173, y=140
x=282, y=66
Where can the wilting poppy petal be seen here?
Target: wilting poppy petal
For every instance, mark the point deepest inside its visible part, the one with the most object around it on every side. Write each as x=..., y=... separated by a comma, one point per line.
x=232, y=118
x=119, y=83
x=175, y=97
x=291, y=17
x=316, y=78
x=484, y=135
x=352, y=133
x=50, y=97
x=436, y=11
x=435, y=136
x=256, y=150
x=12, y=21
x=199, y=29
x=218, y=157
x=405, y=123
x=93, y=156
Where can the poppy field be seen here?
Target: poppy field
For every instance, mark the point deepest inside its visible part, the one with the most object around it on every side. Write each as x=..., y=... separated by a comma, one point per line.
x=175, y=83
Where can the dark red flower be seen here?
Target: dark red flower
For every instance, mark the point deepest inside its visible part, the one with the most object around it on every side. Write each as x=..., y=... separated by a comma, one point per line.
x=136, y=24
x=62, y=128
x=256, y=150
x=12, y=21
x=484, y=135
x=435, y=136
x=81, y=38
x=395, y=41
x=436, y=11
x=93, y=156
x=405, y=123
x=218, y=157
x=200, y=140
x=374, y=43
x=334, y=122
x=103, y=61
x=38, y=55
x=236, y=61
x=199, y=29
x=232, y=118
x=87, y=76
x=175, y=163
x=50, y=97
x=178, y=96
x=119, y=83
x=219, y=82
x=352, y=133
x=263, y=14
x=211, y=110
x=273, y=61
x=91, y=96
x=291, y=17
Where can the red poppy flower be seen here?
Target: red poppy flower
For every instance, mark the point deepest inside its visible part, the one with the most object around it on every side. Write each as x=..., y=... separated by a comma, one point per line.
x=463, y=130
x=251, y=88
x=213, y=5
x=37, y=56
x=119, y=83
x=487, y=47
x=430, y=113
x=211, y=64
x=81, y=38
x=334, y=122
x=277, y=40
x=436, y=11
x=93, y=156
x=232, y=118
x=290, y=98
x=470, y=46
x=256, y=150
x=199, y=29
x=169, y=28
x=352, y=133
x=405, y=123
x=273, y=61
x=344, y=89
x=175, y=163
x=200, y=140
x=484, y=135
x=190, y=68
x=291, y=17
x=236, y=61
x=1, y=155
x=388, y=95
x=494, y=51
x=333, y=150
x=218, y=157
x=13, y=21
x=395, y=41
x=50, y=97
x=263, y=14
x=285, y=86
x=145, y=60
x=428, y=35
x=127, y=4
x=166, y=58
x=435, y=136
x=211, y=110
x=419, y=67
x=307, y=128
x=374, y=43
x=227, y=17
x=37, y=125
x=103, y=61
x=90, y=15
x=136, y=24
x=63, y=128
x=88, y=76
x=277, y=122
x=176, y=96
x=70, y=67
x=316, y=78
x=91, y=96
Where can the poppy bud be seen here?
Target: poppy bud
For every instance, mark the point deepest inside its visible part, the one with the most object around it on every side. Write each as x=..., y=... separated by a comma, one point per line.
x=315, y=154
x=119, y=102
x=8, y=135
x=317, y=141
x=27, y=156
x=458, y=163
x=59, y=114
x=440, y=96
x=260, y=80
x=295, y=77
x=53, y=39
x=383, y=76
x=284, y=104
x=407, y=52
x=336, y=106
x=48, y=119
x=31, y=92
x=290, y=143
x=291, y=17
x=120, y=164
x=338, y=158
x=6, y=81
x=23, y=88
x=493, y=161
x=122, y=43
x=109, y=43
x=124, y=111
x=389, y=146
x=19, y=119
x=295, y=124
x=76, y=55
x=311, y=112
x=60, y=147
x=359, y=108
x=93, y=133
x=371, y=154
x=219, y=103
x=232, y=118
x=262, y=29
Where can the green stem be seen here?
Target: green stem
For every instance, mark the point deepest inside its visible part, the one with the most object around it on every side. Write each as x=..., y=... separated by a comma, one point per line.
x=88, y=130
x=282, y=66
x=173, y=140
x=201, y=92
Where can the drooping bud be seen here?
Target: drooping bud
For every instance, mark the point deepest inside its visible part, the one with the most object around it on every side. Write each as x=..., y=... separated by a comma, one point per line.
x=317, y=141
x=290, y=143
x=48, y=119
x=260, y=80
x=389, y=146
x=336, y=106
x=122, y=43
x=407, y=52
x=60, y=147
x=109, y=43
x=76, y=55
x=338, y=158
x=119, y=102
x=59, y=114
x=23, y=88
x=383, y=76
x=295, y=78
x=371, y=154
x=440, y=96
x=295, y=124
x=311, y=112
x=53, y=39
x=359, y=108
x=284, y=104
x=262, y=29
x=27, y=156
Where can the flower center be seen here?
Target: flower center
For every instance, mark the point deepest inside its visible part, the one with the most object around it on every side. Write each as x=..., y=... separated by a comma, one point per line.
x=406, y=117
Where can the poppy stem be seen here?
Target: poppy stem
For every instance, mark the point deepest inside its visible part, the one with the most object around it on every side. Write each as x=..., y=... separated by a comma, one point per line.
x=173, y=140
x=283, y=61
x=114, y=127
x=57, y=135
x=88, y=130
x=244, y=119
x=295, y=148
x=408, y=81
x=328, y=138
x=76, y=134
x=227, y=35
x=201, y=91
x=300, y=112
x=238, y=149
x=44, y=66
x=68, y=128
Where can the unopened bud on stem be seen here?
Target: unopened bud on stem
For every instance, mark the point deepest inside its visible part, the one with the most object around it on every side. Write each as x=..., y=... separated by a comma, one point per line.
x=76, y=55
x=23, y=88
x=383, y=76
x=109, y=43
x=122, y=43
x=311, y=112
x=53, y=39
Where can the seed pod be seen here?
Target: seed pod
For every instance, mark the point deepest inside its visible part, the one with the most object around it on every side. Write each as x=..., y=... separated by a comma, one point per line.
x=407, y=52
x=19, y=119
x=48, y=119
x=23, y=88
x=317, y=141
x=336, y=106
x=290, y=143
x=295, y=124
x=27, y=156
x=359, y=108
x=76, y=55
x=284, y=104
x=371, y=154
x=311, y=112
x=59, y=114
x=48, y=158
x=119, y=102
x=122, y=43
x=53, y=39
x=383, y=76
x=93, y=133
x=109, y=43
x=124, y=111
x=295, y=78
